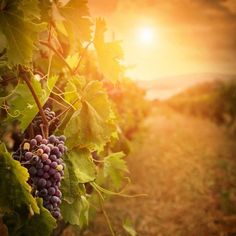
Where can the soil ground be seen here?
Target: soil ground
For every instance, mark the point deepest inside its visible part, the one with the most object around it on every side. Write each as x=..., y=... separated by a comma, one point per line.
x=187, y=166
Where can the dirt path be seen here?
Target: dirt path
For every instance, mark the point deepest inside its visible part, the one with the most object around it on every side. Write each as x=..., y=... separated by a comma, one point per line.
x=187, y=167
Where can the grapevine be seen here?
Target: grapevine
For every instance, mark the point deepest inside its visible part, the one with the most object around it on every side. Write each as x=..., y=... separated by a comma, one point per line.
x=63, y=134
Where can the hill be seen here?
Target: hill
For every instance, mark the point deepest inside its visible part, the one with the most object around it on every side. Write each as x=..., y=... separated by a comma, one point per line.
x=164, y=88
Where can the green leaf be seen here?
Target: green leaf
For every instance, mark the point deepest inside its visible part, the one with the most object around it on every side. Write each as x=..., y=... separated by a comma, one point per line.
x=76, y=213
x=94, y=122
x=22, y=104
x=70, y=184
x=18, y=26
x=20, y=224
x=128, y=227
x=14, y=189
x=115, y=167
x=79, y=169
x=40, y=224
x=74, y=15
x=83, y=165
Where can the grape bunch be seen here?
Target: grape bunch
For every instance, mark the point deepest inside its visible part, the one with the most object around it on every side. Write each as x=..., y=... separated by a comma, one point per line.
x=43, y=159
x=37, y=121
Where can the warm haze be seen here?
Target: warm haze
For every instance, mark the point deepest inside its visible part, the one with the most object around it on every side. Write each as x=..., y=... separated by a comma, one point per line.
x=173, y=37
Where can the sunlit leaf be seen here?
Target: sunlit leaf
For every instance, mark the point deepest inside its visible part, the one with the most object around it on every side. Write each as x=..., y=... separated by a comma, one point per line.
x=76, y=213
x=115, y=167
x=17, y=25
x=94, y=122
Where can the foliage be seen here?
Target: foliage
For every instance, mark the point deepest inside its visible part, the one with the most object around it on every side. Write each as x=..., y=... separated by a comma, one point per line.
x=46, y=61
x=213, y=100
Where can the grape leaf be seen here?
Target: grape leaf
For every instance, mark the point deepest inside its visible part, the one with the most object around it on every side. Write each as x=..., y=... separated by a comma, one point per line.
x=69, y=185
x=94, y=121
x=76, y=213
x=79, y=169
x=82, y=165
x=115, y=167
x=74, y=15
x=21, y=103
x=20, y=224
x=14, y=188
x=109, y=53
x=18, y=26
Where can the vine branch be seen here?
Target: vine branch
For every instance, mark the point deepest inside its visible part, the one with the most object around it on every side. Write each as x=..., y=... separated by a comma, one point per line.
x=57, y=53
x=44, y=119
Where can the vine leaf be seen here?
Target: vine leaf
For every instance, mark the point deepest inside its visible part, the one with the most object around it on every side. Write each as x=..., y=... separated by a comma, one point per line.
x=94, y=122
x=19, y=28
x=21, y=103
x=39, y=224
x=109, y=53
x=115, y=167
x=20, y=224
x=14, y=189
x=74, y=15
x=79, y=169
x=76, y=213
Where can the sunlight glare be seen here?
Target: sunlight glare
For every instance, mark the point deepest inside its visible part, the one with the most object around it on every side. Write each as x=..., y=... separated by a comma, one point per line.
x=146, y=35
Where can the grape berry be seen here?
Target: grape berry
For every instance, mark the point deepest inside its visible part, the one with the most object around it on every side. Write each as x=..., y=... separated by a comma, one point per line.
x=43, y=159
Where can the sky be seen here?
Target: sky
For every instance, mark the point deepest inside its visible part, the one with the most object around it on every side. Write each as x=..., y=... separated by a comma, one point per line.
x=172, y=37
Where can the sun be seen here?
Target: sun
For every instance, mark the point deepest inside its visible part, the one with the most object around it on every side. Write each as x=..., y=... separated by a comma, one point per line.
x=146, y=35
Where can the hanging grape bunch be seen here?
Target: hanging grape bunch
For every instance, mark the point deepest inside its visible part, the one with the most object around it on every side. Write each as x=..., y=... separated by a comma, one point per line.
x=50, y=116
x=43, y=159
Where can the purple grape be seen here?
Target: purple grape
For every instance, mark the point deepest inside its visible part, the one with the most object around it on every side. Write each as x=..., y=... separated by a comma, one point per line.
x=56, y=214
x=54, y=199
x=57, y=176
x=43, y=192
x=52, y=171
x=53, y=157
x=51, y=191
x=39, y=138
x=53, y=165
x=50, y=146
x=33, y=142
x=46, y=175
x=62, y=138
x=49, y=183
x=40, y=172
x=44, y=141
x=58, y=193
x=39, y=165
x=52, y=139
x=55, y=150
x=42, y=182
x=47, y=150
x=46, y=168
x=35, y=159
x=28, y=155
x=42, y=146
x=48, y=162
x=32, y=170
x=59, y=161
